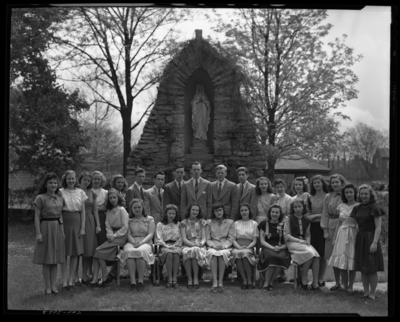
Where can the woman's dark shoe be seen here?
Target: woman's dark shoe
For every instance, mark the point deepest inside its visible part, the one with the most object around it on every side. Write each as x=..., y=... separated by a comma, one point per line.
x=265, y=288
x=79, y=284
x=133, y=287
x=86, y=283
x=95, y=284
x=196, y=286
x=169, y=285
x=55, y=292
x=214, y=289
x=140, y=287
x=220, y=289
x=270, y=287
x=335, y=288
x=312, y=288
x=304, y=286
x=108, y=279
x=282, y=279
x=250, y=286
x=190, y=286
x=65, y=288
x=175, y=285
x=321, y=284
x=244, y=287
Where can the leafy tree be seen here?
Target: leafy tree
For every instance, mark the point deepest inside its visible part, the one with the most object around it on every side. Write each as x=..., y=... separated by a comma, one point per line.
x=293, y=82
x=118, y=49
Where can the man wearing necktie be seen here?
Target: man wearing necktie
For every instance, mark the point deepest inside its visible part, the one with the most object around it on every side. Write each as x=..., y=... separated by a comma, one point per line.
x=136, y=191
x=225, y=192
x=172, y=190
x=197, y=190
x=154, y=197
x=245, y=188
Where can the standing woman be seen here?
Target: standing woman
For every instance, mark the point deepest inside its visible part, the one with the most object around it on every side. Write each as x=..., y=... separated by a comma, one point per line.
x=92, y=227
x=343, y=250
x=330, y=220
x=169, y=238
x=284, y=199
x=318, y=191
x=116, y=226
x=50, y=247
x=137, y=251
x=264, y=198
x=74, y=218
x=300, y=189
x=220, y=234
x=245, y=238
x=368, y=252
x=99, y=180
x=193, y=234
x=118, y=182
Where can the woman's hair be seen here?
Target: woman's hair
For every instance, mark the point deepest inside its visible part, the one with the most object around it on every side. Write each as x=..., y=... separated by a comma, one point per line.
x=239, y=216
x=189, y=209
x=304, y=181
x=217, y=205
x=103, y=178
x=164, y=218
x=280, y=181
x=42, y=185
x=372, y=198
x=114, y=180
x=113, y=191
x=86, y=174
x=336, y=176
x=302, y=203
x=349, y=186
x=64, y=178
x=136, y=200
x=258, y=190
x=324, y=184
x=281, y=216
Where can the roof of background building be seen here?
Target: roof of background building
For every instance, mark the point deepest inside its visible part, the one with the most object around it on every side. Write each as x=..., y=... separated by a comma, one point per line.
x=300, y=164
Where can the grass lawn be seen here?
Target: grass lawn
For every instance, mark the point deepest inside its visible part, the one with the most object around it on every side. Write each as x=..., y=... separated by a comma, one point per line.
x=26, y=288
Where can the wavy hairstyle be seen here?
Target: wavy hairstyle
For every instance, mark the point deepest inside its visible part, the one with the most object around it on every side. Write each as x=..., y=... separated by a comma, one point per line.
x=218, y=205
x=103, y=178
x=136, y=200
x=189, y=209
x=258, y=190
x=239, y=216
x=42, y=185
x=86, y=174
x=349, y=186
x=302, y=203
x=164, y=218
x=372, y=198
x=324, y=184
x=304, y=181
x=114, y=180
x=121, y=200
x=336, y=176
x=281, y=216
x=64, y=178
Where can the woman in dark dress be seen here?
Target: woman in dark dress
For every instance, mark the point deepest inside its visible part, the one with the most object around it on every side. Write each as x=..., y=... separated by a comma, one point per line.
x=368, y=253
x=274, y=254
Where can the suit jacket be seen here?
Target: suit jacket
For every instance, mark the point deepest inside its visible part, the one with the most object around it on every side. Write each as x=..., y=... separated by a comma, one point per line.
x=249, y=191
x=203, y=197
x=172, y=194
x=229, y=197
x=133, y=192
x=153, y=204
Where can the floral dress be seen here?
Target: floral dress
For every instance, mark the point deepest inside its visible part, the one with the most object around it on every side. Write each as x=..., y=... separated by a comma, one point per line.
x=192, y=230
x=168, y=234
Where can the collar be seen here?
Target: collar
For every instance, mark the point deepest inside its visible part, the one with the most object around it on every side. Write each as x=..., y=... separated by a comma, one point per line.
x=244, y=184
x=137, y=185
x=194, y=181
x=177, y=183
x=222, y=183
x=155, y=188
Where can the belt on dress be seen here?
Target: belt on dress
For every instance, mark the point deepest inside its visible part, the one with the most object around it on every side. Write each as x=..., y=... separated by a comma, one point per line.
x=333, y=216
x=50, y=219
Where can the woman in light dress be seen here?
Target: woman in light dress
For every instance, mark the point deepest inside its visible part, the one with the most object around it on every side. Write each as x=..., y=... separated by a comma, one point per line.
x=193, y=234
x=49, y=248
x=74, y=218
x=244, y=240
x=264, y=198
x=297, y=235
x=343, y=249
x=330, y=220
x=99, y=180
x=170, y=241
x=282, y=199
x=137, y=252
x=220, y=235
x=116, y=226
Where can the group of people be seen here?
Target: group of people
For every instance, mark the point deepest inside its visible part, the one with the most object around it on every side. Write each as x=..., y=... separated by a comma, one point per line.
x=207, y=224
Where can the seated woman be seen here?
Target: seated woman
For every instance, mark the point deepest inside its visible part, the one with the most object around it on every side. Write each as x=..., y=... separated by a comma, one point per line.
x=137, y=251
x=193, y=234
x=169, y=238
x=219, y=235
x=116, y=226
x=297, y=235
x=274, y=255
x=245, y=238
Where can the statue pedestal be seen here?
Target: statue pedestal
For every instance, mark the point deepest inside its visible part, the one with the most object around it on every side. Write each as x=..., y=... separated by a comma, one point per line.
x=200, y=147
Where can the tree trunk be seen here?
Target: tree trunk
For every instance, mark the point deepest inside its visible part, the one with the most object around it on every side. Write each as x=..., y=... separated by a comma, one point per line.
x=127, y=135
x=270, y=172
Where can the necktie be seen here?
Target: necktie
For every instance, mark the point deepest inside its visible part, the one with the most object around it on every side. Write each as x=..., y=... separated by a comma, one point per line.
x=179, y=185
x=219, y=188
x=196, y=187
x=141, y=193
x=241, y=190
x=159, y=195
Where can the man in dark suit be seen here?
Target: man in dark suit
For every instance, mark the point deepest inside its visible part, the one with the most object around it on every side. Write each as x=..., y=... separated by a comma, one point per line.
x=197, y=190
x=225, y=192
x=153, y=198
x=172, y=190
x=136, y=190
x=246, y=190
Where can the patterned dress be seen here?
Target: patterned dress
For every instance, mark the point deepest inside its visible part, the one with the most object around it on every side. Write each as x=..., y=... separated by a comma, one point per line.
x=168, y=234
x=192, y=230
x=52, y=249
x=244, y=232
x=219, y=233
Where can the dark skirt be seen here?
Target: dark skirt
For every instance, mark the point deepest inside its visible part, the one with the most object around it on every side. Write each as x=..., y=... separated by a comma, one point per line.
x=52, y=250
x=269, y=257
x=101, y=236
x=317, y=238
x=89, y=239
x=72, y=227
x=365, y=262
x=109, y=250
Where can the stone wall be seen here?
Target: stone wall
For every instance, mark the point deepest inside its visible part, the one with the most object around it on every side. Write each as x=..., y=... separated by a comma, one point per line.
x=162, y=144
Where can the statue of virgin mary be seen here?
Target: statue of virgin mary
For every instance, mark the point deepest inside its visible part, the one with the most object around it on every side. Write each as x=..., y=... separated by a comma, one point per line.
x=200, y=113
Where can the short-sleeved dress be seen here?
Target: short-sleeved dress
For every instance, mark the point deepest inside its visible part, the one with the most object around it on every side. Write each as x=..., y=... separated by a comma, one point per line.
x=72, y=220
x=138, y=229
x=101, y=200
x=274, y=237
x=343, y=249
x=316, y=205
x=90, y=238
x=285, y=202
x=298, y=228
x=193, y=230
x=52, y=249
x=365, y=262
x=117, y=226
x=219, y=232
x=169, y=234
x=263, y=203
x=244, y=232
